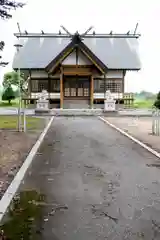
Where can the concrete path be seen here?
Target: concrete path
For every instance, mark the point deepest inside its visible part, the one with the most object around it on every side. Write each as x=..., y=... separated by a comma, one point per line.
x=136, y=112
x=124, y=112
x=14, y=111
x=98, y=184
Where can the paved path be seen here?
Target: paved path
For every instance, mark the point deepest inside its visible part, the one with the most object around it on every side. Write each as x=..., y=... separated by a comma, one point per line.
x=128, y=112
x=13, y=111
x=101, y=180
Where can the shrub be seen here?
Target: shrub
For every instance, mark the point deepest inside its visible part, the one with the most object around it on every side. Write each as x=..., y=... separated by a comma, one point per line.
x=157, y=102
x=8, y=94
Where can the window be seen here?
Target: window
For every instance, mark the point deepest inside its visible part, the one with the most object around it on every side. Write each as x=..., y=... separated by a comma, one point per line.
x=34, y=85
x=99, y=85
x=37, y=85
x=42, y=85
x=114, y=85
x=55, y=85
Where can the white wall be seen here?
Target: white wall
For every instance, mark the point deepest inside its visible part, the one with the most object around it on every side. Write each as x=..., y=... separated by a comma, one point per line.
x=71, y=59
x=115, y=74
x=41, y=74
x=102, y=95
x=37, y=74
x=112, y=74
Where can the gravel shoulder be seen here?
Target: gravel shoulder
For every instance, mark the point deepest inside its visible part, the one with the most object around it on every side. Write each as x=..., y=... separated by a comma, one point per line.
x=140, y=128
x=14, y=148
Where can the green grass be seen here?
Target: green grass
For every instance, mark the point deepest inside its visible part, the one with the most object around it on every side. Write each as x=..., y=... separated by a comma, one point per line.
x=14, y=103
x=148, y=103
x=24, y=217
x=11, y=122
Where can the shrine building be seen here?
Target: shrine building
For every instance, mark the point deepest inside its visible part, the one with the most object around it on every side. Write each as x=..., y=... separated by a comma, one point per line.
x=76, y=69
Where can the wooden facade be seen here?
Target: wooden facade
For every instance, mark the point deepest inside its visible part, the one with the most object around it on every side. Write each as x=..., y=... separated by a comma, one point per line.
x=76, y=83
x=76, y=77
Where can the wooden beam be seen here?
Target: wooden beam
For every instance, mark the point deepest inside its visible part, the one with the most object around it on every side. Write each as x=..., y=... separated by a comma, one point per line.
x=91, y=92
x=78, y=66
x=49, y=87
x=29, y=85
x=61, y=88
x=104, y=77
x=123, y=81
x=77, y=57
x=77, y=73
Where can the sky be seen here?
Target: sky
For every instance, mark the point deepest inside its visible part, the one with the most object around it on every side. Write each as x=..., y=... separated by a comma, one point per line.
x=120, y=16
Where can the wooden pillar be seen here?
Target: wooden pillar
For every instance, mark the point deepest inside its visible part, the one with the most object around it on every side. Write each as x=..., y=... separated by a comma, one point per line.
x=92, y=92
x=61, y=88
x=29, y=86
x=123, y=81
x=49, y=90
x=104, y=79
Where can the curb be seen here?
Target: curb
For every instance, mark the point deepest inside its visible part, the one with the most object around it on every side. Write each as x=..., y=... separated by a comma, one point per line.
x=155, y=153
x=13, y=187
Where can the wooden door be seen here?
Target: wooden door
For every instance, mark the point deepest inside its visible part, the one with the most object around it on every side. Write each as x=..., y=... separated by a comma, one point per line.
x=76, y=87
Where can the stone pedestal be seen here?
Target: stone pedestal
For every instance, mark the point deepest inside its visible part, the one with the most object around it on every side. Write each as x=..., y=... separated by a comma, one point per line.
x=109, y=105
x=42, y=102
x=42, y=105
x=109, y=102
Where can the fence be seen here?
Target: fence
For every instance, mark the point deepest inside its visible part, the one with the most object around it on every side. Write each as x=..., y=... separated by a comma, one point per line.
x=22, y=121
x=156, y=122
x=128, y=99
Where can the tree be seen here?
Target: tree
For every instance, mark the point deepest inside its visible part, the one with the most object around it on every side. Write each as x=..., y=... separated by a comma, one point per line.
x=5, y=7
x=1, y=49
x=12, y=78
x=157, y=102
x=8, y=94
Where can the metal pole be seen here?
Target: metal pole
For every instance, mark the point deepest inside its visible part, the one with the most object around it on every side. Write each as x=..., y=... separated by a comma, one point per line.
x=19, y=104
x=24, y=121
x=153, y=122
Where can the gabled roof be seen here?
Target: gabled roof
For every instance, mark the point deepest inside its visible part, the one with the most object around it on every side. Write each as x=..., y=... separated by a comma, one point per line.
x=111, y=51
x=76, y=43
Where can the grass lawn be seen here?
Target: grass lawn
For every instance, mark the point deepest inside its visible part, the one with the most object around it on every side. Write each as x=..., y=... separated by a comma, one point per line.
x=144, y=103
x=14, y=103
x=10, y=122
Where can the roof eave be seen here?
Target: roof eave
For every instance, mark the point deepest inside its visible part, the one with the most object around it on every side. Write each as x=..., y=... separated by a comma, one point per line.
x=126, y=69
x=28, y=69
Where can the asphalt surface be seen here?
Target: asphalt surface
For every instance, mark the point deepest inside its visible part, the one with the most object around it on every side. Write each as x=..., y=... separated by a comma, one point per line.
x=98, y=184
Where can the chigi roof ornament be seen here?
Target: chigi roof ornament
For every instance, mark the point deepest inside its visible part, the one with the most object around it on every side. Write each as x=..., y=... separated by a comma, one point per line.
x=77, y=33
x=86, y=34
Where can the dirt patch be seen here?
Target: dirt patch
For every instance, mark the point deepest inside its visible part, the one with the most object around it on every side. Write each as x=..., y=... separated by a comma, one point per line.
x=141, y=128
x=14, y=148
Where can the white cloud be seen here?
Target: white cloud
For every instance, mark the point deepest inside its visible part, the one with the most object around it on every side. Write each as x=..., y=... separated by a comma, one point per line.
x=119, y=16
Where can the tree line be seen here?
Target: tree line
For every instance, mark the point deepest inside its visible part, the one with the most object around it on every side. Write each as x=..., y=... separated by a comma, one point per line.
x=6, y=7
x=10, y=80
